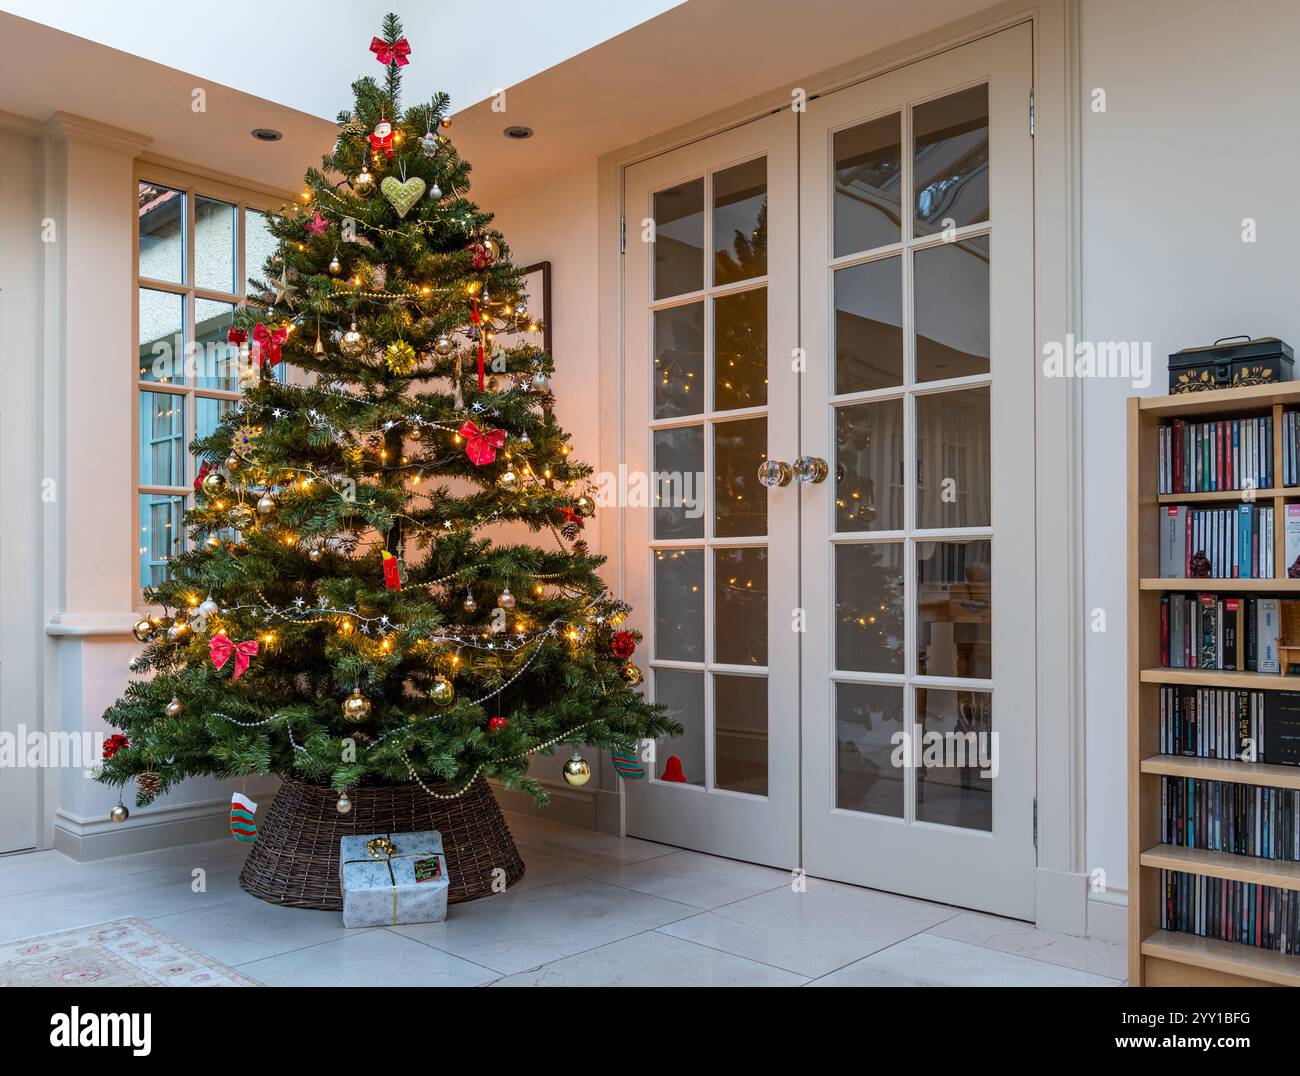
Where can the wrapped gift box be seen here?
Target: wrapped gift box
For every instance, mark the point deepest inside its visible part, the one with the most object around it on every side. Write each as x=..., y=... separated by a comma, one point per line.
x=393, y=878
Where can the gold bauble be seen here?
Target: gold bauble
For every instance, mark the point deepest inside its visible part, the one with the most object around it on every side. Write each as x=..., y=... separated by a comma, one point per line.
x=631, y=674
x=144, y=629
x=444, y=345
x=266, y=505
x=470, y=604
x=363, y=180
x=233, y=462
x=174, y=708
x=356, y=708
x=493, y=248
x=119, y=813
x=177, y=631
x=315, y=553
x=505, y=599
x=344, y=804
x=213, y=541
x=214, y=483
x=508, y=482
x=577, y=771
x=442, y=691
x=352, y=343
x=584, y=506
x=335, y=267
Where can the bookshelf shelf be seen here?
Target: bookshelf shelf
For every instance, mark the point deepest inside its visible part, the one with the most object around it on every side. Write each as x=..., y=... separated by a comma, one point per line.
x=1241, y=963
x=1218, y=769
x=1251, y=681
x=1270, y=586
x=1223, y=865
x=1158, y=956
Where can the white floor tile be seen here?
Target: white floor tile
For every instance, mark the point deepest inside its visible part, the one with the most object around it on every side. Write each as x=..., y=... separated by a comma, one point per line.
x=30, y=872
x=653, y=959
x=927, y=960
x=696, y=879
x=1024, y=939
x=246, y=928
x=518, y=930
x=367, y=958
x=811, y=932
x=546, y=838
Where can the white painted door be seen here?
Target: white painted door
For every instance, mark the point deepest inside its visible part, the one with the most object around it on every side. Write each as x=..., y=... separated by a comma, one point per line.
x=918, y=548
x=22, y=504
x=711, y=559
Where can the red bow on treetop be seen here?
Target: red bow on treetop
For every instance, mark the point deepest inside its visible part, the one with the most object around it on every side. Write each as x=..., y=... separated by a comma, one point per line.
x=114, y=744
x=266, y=343
x=481, y=445
x=221, y=648
x=396, y=53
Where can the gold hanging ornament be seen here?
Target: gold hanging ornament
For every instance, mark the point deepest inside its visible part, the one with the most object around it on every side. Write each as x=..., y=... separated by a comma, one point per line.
x=214, y=484
x=470, y=604
x=442, y=691
x=344, y=805
x=144, y=629
x=356, y=708
x=505, y=599
x=352, y=343
x=174, y=708
x=584, y=506
x=241, y=516
x=631, y=674
x=266, y=505
x=577, y=770
x=400, y=358
x=119, y=813
x=508, y=482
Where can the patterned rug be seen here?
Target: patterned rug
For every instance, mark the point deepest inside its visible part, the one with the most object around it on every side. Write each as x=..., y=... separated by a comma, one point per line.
x=125, y=952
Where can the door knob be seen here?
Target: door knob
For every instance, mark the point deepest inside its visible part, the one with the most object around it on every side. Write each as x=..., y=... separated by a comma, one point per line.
x=810, y=469
x=773, y=473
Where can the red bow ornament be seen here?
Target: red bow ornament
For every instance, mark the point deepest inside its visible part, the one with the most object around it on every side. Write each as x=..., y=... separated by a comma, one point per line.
x=396, y=53
x=114, y=744
x=267, y=343
x=481, y=445
x=570, y=516
x=236, y=336
x=222, y=648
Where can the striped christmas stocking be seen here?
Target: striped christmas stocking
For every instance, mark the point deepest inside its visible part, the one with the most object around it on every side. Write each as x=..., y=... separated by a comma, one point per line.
x=242, y=826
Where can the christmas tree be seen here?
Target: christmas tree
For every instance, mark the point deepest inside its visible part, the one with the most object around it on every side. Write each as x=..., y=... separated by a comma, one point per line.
x=338, y=615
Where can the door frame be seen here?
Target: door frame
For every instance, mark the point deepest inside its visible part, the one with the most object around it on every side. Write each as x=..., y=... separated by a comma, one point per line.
x=1062, y=897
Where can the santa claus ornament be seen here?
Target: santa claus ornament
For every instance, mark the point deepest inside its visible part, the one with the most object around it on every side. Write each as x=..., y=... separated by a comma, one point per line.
x=381, y=140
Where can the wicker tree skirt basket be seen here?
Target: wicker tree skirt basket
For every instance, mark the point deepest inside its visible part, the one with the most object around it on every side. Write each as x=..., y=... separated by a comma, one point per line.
x=295, y=859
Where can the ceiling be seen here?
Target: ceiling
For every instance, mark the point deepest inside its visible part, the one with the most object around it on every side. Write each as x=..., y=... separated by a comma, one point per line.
x=689, y=61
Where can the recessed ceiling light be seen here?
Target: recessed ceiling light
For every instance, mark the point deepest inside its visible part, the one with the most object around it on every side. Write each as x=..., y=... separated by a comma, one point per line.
x=265, y=134
x=518, y=133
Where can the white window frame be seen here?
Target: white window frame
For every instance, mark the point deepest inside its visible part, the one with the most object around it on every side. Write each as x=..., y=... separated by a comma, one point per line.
x=193, y=187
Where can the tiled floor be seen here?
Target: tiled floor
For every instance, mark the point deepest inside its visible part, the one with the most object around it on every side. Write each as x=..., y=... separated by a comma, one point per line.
x=591, y=910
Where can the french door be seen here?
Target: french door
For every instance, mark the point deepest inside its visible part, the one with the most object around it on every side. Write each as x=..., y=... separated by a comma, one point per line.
x=918, y=549
x=711, y=393
x=829, y=339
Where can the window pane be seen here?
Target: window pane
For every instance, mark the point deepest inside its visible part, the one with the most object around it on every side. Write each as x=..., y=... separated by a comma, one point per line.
x=740, y=606
x=869, y=466
x=955, y=793
x=867, y=716
x=679, y=604
x=869, y=326
x=952, y=464
x=162, y=337
x=162, y=233
x=952, y=160
x=683, y=693
x=207, y=413
x=216, y=360
x=162, y=439
x=868, y=178
x=679, y=361
x=161, y=535
x=214, y=245
x=869, y=629
x=259, y=244
x=740, y=734
x=954, y=601
x=740, y=350
x=679, y=482
x=952, y=310
x=739, y=500
x=740, y=222
x=679, y=239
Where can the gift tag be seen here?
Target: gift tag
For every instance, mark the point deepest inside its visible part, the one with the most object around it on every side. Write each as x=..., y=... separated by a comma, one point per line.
x=428, y=870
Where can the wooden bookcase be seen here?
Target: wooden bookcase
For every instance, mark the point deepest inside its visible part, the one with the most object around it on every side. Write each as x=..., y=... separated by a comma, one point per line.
x=1159, y=957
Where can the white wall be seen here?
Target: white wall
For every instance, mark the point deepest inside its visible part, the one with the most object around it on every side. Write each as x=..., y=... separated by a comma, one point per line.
x=1200, y=131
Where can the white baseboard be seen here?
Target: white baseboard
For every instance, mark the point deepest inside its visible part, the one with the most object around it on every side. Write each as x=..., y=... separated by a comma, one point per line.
x=1108, y=916
x=586, y=808
x=1061, y=901
x=149, y=828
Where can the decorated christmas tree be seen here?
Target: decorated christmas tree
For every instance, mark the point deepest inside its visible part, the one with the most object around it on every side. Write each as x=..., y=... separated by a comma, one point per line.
x=337, y=614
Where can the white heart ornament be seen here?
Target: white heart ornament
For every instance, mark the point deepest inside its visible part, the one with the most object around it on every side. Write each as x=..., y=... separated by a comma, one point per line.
x=402, y=196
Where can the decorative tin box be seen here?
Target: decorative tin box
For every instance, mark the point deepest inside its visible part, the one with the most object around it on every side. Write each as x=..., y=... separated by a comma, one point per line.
x=393, y=878
x=1230, y=363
